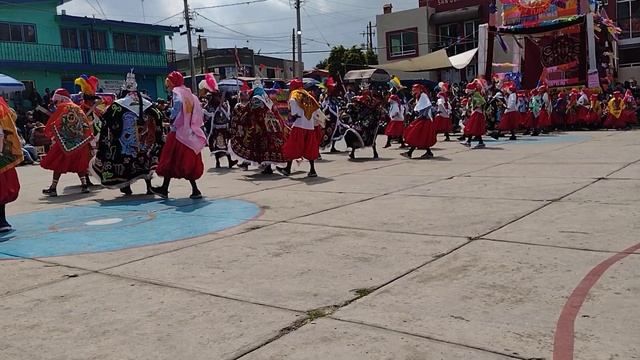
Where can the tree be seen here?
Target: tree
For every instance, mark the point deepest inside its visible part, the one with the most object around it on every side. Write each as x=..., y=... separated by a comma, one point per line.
x=371, y=57
x=341, y=60
x=323, y=64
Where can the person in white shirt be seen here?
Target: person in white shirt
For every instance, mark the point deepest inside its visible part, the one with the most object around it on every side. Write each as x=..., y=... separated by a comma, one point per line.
x=511, y=118
x=443, y=113
x=395, y=128
x=303, y=141
x=421, y=133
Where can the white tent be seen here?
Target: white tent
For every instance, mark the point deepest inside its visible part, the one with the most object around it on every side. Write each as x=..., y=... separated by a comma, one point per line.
x=433, y=61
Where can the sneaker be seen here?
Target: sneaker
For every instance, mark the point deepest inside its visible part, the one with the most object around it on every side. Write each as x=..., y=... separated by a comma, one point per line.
x=85, y=189
x=428, y=155
x=196, y=196
x=283, y=171
x=464, y=143
x=160, y=191
x=480, y=146
x=513, y=137
x=126, y=190
x=50, y=192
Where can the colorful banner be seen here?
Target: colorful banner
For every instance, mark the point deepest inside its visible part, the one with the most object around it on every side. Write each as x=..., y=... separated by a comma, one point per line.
x=532, y=12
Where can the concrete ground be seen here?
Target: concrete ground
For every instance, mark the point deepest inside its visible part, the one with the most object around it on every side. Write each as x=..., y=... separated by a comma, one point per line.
x=525, y=250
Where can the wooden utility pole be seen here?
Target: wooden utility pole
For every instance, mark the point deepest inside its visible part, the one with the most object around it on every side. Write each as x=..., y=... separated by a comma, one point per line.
x=299, y=26
x=192, y=64
x=293, y=52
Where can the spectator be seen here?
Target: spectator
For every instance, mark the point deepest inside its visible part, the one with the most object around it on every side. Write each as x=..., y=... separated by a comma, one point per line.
x=29, y=151
x=46, y=99
x=39, y=138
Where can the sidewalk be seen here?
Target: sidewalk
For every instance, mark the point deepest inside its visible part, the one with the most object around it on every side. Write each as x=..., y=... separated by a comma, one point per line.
x=476, y=254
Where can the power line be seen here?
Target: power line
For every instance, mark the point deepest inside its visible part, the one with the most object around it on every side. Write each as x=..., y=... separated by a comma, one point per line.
x=227, y=5
x=239, y=32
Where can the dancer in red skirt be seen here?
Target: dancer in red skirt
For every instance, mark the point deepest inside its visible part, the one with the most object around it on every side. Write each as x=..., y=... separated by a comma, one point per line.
x=72, y=132
x=584, y=105
x=572, y=109
x=510, y=120
x=443, y=113
x=629, y=112
x=303, y=141
x=476, y=126
x=181, y=156
x=594, y=118
x=10, y=157
x=544, y=118
x=421, y=133
x=395, y=128
x=615, y=120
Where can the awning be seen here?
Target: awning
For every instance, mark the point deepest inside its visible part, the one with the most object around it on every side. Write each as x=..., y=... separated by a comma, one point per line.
x=373, y=75
x=433, y=61
x=9, y=84
x=455, y=16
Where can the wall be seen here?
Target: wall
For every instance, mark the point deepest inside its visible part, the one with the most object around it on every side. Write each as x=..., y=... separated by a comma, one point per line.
x=402, y=20
x=42, y=14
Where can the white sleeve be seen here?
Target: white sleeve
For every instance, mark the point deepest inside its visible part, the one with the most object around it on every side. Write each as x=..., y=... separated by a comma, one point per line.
x=295, y=108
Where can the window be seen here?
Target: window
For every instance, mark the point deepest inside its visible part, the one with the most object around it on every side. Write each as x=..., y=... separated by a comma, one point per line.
x=136, y=43
x=271, y=73
x=448, y=36
x=470, y=35
x=83, y=39
x=628, y=12
x=403, y=43
x=17, y=32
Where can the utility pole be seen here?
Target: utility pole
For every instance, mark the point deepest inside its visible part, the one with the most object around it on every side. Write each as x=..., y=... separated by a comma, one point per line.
x=370, y=36
x=201, y=55
x=299, y=23
x=293, y=40
x=192, y=64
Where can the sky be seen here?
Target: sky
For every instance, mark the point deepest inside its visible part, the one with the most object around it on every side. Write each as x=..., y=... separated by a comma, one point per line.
x=264, y=26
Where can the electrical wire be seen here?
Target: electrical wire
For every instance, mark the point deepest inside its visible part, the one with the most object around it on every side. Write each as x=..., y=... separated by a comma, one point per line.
x=227, y=5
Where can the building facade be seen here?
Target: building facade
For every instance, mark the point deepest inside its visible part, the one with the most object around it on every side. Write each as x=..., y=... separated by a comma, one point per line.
x=225, y=64
x=431, y=26
x=45, y=49
x=627, y=15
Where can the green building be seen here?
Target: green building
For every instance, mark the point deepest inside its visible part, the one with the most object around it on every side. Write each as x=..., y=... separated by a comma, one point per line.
x=45, y=49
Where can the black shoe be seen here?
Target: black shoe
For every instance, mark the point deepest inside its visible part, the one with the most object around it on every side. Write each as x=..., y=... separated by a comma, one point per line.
x=5, y=228
x=127, y=190
x=50, y=192
x=480, y=146
x=233, y=163
x=535, y=133
x=447, y=139
x=160, y=191
x=513, y=137
x=267, y=171
x=387, y=145
x=196, y=196
x=85, y=189
x=495, y=135
x=334, y=151
x=312, y=174
x=406, y=154
x=427, y=155
x=283, y=171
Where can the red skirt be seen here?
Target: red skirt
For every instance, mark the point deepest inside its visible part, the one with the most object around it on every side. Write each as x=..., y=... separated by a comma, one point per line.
x=9, y=186
x=61, y=162
x=593, y=118
x=613, y=122
x=582, y=115
x=509, y=121
x=178, y=161
x=319, y=133
x=476, y=125
x=421, y=134
x=395, y=128
x=443, y=125
x=630, y=117
x=544, y=120
x=572, y=118
x=302, y=143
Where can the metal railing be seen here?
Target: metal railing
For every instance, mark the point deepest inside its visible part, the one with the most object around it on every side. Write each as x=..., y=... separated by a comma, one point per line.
x=40, y=53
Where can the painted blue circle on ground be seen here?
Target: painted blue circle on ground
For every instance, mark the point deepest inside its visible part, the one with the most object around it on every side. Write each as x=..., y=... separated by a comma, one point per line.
x=118, y=225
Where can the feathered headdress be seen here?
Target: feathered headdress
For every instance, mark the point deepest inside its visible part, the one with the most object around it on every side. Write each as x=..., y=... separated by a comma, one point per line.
x=88, y=84
x=209, y=83
x=130, y=83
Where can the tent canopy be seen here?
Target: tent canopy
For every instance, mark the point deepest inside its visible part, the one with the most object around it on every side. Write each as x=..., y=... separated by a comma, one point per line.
x=9, y=84
x=373, y=75
x=433, y=61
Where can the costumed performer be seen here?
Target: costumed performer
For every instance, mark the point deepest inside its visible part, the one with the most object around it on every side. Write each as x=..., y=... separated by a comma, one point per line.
x=421, y=133
x=181, y=156
x=71, y=132
x=395, y=128
x=10, y=157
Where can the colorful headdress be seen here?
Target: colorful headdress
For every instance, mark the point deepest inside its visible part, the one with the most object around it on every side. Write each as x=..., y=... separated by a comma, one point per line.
x=130, y=83
x=175, y=78
x=394, y=98
x=88, y=84
x=61, y=95
x=296, y=84
x=209, y=83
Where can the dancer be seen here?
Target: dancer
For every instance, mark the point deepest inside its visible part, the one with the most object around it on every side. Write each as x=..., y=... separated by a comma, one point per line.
x=395, y=128
x=363, y=117
x=442, y=122
x=629, y=113
x=583, y=107
x=302, y=141
x=421, y=133
x=559, y=111
x=510, y=120
x=334, y=129
x=181, y=156
x=572, y=109
x=93, y=107
x=475, y=127
x=544, y=118
x=71, y=131
x=259, y=133
x=594, y=118
x=217, y=114
x=535, y=108
x=10, y=157
x=130, y=141
x=615, y=120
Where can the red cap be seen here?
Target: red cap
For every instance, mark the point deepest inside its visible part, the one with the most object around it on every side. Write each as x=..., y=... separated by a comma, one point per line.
x=617, y=94
x=295, y=84
x=472, y=86
x=176, y=78
x=594, y=96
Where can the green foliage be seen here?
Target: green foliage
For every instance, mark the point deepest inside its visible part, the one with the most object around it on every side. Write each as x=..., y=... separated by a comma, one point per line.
x=341, y=60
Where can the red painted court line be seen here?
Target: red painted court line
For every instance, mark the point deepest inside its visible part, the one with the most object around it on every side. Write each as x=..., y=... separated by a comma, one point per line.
x=564, y=337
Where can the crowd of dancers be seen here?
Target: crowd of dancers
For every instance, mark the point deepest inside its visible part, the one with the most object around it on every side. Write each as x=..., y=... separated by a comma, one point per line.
x=122, y=139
